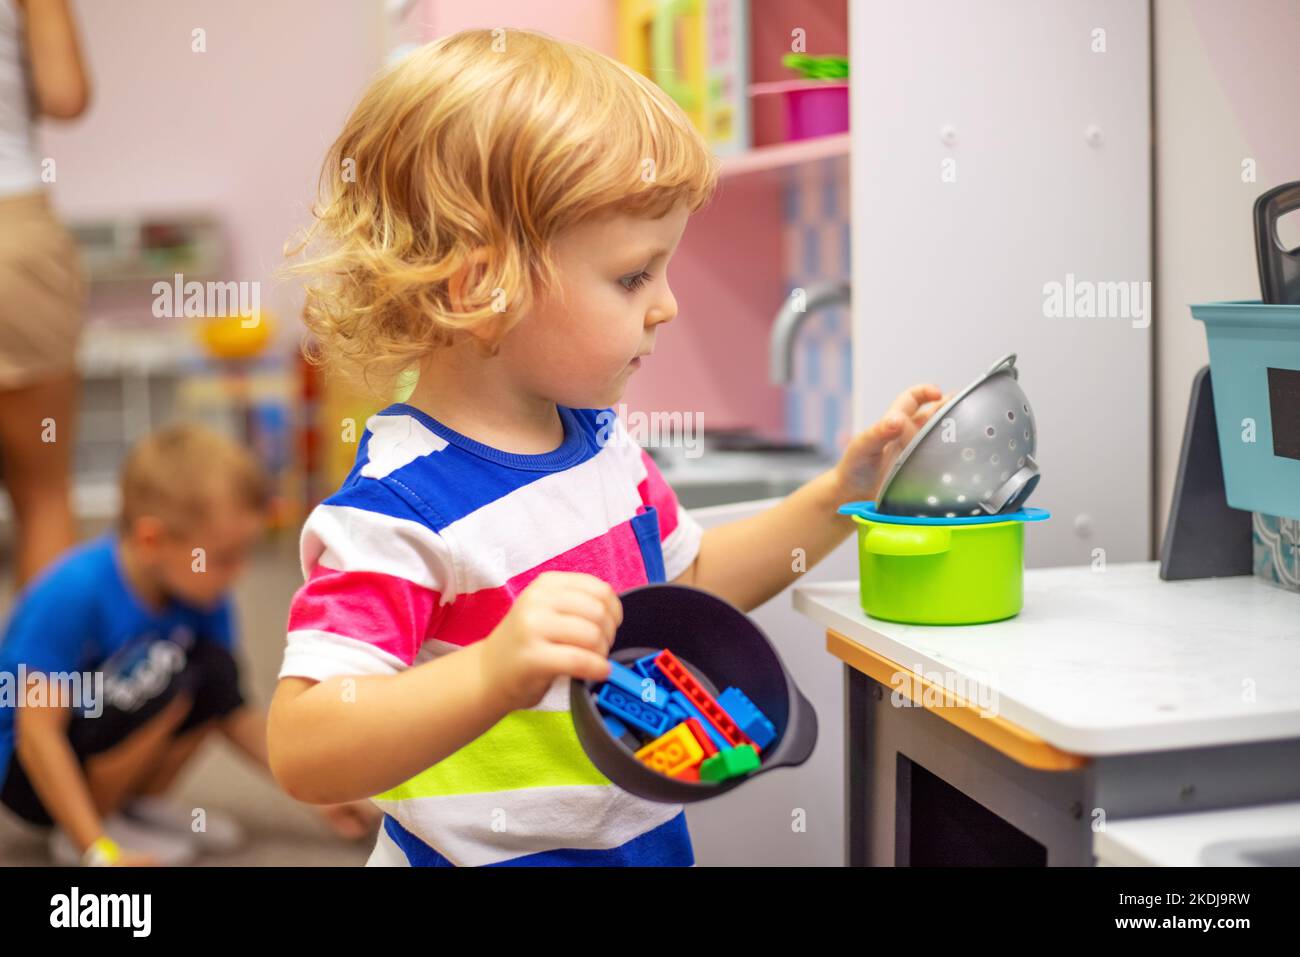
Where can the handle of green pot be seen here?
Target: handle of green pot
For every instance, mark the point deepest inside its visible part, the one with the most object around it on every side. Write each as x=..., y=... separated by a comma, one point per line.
x=907, y=539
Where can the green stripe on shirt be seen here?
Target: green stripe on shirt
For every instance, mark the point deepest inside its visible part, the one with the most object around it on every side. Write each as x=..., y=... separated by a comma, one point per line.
x=525, y=749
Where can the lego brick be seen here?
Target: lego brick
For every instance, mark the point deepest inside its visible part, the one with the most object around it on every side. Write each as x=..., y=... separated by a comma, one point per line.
x=637, y=685
x=632, y=710
x=615, y=727
x=746, y=714
x=645, y=667
x=684, y=704
x=702, y=736
x=731, y=763
x=685, y=682
x=672, y=753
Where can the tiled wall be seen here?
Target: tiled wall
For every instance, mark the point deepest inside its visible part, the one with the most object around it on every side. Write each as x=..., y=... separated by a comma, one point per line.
x=816, y=226
x=1277, y=550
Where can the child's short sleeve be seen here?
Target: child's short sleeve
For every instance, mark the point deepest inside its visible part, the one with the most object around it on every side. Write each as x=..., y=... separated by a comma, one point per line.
x=377, y=583
x=52, y=630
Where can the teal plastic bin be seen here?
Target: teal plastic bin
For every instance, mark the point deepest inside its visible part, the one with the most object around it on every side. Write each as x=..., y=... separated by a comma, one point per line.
x=1255, y=368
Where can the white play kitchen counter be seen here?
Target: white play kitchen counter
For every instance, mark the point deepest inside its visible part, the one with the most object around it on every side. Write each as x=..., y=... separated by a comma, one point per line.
x=1113, y=695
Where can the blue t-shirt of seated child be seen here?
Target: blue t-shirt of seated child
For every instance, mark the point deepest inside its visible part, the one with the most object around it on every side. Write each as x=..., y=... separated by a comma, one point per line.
x=77, y=615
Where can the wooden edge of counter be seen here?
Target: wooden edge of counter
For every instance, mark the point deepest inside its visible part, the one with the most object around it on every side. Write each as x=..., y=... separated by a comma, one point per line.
x=995, y=731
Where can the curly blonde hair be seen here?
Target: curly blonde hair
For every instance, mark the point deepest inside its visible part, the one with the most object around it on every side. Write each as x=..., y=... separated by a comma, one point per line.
x=439, y=203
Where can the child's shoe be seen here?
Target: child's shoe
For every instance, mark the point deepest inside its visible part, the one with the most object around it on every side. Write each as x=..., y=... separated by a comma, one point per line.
x=171, y=850
x=221, y=834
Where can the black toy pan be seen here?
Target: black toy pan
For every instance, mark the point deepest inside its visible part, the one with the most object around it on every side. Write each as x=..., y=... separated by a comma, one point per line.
x=722, y=647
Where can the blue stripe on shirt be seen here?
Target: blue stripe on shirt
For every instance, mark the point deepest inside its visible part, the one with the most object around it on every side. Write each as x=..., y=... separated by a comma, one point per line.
x=668, y=845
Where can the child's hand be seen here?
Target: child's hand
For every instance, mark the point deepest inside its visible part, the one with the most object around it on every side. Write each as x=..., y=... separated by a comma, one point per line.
x=870, y=454
x=563, y=623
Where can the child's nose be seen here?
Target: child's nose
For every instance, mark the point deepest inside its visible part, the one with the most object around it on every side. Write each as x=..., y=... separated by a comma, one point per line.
x=663, y=311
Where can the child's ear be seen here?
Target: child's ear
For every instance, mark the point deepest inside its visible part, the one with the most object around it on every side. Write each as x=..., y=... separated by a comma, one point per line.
x=486, y=335
x=468, y=276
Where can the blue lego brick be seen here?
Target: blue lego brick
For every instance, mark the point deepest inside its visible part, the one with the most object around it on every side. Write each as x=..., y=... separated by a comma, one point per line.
x=676, y=711
x=746, y=714
x=632, y=710
x=634, y=684
x=645, y=666
x=688, y=706
x=614, y=726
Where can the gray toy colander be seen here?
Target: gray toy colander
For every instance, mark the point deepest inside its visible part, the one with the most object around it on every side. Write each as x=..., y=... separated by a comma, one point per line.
x=975, y=456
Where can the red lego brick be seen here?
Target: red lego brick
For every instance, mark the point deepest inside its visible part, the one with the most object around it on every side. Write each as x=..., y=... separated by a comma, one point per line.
x=702, y=736
x=685, y=682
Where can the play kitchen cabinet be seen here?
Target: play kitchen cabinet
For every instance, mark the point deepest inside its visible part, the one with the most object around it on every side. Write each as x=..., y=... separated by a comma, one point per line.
x=1113, y=697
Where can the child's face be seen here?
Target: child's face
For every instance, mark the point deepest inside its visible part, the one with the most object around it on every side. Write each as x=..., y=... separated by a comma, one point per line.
x=579, y=352
x=200, y=564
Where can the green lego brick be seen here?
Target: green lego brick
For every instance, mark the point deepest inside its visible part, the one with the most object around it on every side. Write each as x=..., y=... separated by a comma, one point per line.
x=731, y=763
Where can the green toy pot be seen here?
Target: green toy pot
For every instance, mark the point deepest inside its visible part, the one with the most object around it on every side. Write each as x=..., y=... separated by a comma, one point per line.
x=931, y=571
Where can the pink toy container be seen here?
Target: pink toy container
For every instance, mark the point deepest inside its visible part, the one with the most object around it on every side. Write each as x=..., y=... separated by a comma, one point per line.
x=812, y=107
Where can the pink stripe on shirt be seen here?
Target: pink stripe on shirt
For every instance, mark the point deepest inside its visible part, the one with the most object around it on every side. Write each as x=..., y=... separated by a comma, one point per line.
x=657, y=492
x=391, y=613
x=616, y=553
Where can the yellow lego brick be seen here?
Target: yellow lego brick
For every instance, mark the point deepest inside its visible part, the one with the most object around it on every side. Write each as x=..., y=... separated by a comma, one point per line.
x=672, y=752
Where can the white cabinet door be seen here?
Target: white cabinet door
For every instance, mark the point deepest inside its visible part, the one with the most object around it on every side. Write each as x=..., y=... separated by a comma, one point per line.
x=792, y=816
x=1000, y=147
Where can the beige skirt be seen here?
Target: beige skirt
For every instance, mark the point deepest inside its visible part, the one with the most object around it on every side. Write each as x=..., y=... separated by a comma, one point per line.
x=42, y=292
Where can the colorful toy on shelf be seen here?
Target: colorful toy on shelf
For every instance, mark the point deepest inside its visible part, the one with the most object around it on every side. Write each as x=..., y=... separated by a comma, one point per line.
x=674, y=726
x=816, y=104
x=236, y=337
x=698, y=52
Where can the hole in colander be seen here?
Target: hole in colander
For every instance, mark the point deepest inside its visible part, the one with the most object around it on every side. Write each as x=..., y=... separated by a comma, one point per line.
x=946, y=479
x=961, y=498
x=1020, y=462
x=993, y=459
x=968, y=455
x=988, y=493
x=1011, y=415
x=974, y=511
x=1011, y=444
x=1026, y=435
x=952, y=514
x=990, y=431
x=930, y=499
x=974, y=480
x=1026, y=407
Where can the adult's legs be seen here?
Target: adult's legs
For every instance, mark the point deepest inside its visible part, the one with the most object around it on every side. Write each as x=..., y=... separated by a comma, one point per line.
x=38, y=473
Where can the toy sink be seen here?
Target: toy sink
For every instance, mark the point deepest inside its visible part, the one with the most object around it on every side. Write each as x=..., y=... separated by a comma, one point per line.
x=722, y=647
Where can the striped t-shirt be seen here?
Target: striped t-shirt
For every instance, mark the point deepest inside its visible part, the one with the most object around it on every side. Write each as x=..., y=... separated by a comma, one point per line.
x=421, y=552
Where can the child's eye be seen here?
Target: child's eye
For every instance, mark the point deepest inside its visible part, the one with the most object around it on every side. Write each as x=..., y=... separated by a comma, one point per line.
x=635, y=282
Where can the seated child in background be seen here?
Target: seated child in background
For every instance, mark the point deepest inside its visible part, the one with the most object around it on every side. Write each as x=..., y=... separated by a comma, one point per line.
x=148, y=609
x=501, y=217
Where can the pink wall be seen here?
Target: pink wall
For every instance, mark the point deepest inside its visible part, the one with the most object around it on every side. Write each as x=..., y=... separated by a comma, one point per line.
x=239, y=130
x=727, y=274
x=1253, y=56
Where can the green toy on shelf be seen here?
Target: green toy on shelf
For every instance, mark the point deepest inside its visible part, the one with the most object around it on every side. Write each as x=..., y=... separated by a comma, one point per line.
x=823, y=67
